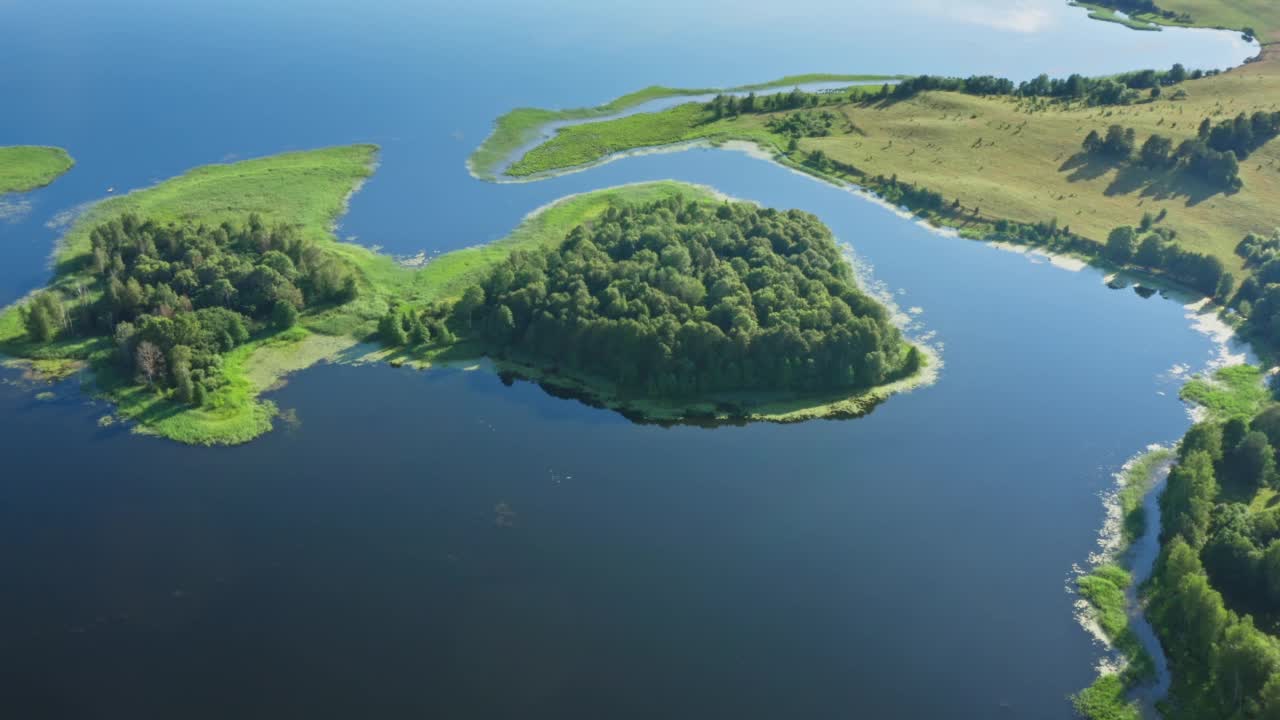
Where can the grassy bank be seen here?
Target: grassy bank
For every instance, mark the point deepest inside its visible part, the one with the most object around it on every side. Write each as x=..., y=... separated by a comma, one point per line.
x=1105, y=589
x=522, y=125
x=27, y=167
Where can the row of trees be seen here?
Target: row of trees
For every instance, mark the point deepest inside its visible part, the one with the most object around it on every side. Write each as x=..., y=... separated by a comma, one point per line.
x=1198, y=157
x=1242, y=134
x=1114, y=90
x=174, y=298
x=1258, y=300
x=726, y=105
x=679, y=299
x=1156, y=251
x=1218, y=562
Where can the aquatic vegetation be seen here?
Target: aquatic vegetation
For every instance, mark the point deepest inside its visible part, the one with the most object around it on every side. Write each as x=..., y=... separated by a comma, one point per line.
x=27, y=167
x=1235, y=391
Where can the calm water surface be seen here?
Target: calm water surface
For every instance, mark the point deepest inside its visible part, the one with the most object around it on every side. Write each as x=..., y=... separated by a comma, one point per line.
x=440, y=545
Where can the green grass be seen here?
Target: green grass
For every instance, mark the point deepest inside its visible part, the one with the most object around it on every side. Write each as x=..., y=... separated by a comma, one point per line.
x=1104, y=589
x=582, y=144
x=522, y=125
x=1106, y=699
x=27, y=167
x=1232, y=392
x=1135, y=482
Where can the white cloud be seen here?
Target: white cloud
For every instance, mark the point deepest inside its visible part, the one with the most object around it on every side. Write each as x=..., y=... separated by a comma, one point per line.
x=1018, y=16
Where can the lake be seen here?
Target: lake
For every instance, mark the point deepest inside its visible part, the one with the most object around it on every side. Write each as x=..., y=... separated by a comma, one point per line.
x=439, y=544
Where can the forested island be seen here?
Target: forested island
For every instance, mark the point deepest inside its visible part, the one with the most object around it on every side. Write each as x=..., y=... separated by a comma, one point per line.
x=190, y=299
x=680, y=308
x=26, y=167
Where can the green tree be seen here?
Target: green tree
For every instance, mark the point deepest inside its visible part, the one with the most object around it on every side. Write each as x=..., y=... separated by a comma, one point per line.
x=284, y=315
x=44, y=316
x=1246, y=660
x=1251, y=464
x=1092, y=143
x=1205, y=437
x=1120, y=244
x=391, y=329
x=1156, y=150
x=1188, y=499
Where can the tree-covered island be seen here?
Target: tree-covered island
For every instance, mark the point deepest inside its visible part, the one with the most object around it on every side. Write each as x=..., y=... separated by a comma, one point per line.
x=682, y=307
x=190, y=299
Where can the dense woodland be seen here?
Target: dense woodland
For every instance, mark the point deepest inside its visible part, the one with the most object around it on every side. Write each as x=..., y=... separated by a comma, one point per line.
x=679, y=299
x=175, y=298
x=1258, y=300
x=1215, y=595
x=1152, y=248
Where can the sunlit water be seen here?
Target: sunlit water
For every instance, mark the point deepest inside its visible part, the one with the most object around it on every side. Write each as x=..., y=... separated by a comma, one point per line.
x=441, y=545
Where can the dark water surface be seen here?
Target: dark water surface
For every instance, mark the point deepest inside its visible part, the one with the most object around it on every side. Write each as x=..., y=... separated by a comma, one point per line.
x=439, y=545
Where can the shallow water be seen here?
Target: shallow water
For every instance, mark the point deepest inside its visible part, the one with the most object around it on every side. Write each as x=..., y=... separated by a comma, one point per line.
x=438, y=544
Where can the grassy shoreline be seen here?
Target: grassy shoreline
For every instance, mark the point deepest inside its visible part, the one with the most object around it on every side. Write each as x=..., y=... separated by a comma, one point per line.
x=1105, y=590
x=24, y=168
x=522, y=125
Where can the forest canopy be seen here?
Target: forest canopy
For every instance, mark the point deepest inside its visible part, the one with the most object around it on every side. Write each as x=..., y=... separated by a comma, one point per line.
x=174, y=298
x=679, y=298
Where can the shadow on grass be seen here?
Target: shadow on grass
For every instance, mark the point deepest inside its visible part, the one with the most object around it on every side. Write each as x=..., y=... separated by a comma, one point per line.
x=1163, y=184
x=1084, y=166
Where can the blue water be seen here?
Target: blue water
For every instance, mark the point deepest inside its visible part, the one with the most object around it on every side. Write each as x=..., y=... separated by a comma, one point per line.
x=441, y=545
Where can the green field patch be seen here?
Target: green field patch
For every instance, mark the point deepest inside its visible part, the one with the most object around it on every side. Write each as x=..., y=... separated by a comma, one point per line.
x=27, y=167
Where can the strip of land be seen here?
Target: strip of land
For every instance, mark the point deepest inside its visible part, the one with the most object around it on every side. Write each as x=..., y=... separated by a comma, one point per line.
x=26, y=167
x=521, y=126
